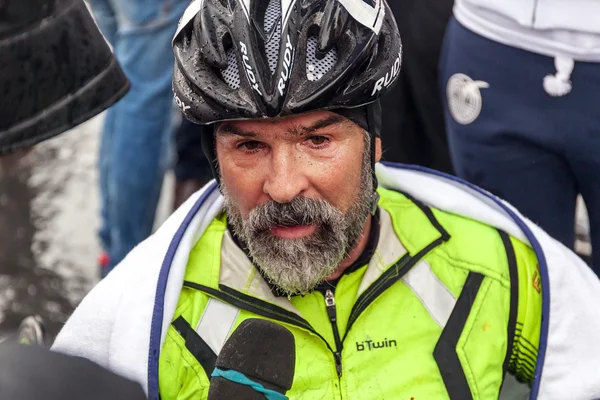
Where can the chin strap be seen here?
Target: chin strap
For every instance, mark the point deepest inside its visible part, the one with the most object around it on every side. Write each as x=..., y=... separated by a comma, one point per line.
x=375, y=204
x=374, y=122
x=375, y=199
x=209, y=149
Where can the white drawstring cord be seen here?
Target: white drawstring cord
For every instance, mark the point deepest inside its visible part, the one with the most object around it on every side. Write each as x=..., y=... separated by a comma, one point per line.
x=559, y=84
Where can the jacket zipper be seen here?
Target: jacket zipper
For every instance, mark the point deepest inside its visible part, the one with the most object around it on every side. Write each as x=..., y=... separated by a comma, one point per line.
x=234, y=298
x=292, y=319
x=331, y=312
x=231, y=296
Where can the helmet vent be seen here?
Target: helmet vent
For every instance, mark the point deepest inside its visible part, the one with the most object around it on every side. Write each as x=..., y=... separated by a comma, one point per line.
x=231, y=75
x=315, y=68
x=272, y=22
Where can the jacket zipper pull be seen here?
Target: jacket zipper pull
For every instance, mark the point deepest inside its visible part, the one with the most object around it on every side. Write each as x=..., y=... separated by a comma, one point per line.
x=330, y=304
x=331, y=312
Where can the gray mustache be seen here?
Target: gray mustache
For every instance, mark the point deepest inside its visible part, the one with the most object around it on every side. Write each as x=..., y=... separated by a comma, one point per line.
x=299, y=211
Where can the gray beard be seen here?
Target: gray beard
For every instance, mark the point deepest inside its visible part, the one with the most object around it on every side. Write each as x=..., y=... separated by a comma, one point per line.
x=296, y=266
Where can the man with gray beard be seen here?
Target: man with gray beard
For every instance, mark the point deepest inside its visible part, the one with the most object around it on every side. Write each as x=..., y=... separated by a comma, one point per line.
x=395, y=282
x=297, y=237
x=298, y=265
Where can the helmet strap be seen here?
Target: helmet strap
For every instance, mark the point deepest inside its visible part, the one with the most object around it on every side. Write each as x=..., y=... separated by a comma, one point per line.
x=374, y=122
x=209, y=149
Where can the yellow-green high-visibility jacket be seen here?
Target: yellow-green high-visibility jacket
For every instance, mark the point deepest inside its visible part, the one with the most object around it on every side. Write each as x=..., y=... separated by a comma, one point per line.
x=444, y=309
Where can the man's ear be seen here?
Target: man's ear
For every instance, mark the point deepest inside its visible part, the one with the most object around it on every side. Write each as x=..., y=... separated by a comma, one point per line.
x=377, y=150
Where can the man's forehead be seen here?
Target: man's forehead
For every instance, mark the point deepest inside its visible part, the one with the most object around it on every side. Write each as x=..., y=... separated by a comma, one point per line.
x=294, y=125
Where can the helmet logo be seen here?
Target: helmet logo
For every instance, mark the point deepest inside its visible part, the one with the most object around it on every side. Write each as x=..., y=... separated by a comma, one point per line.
x=249, y=71
x=369, y=13
x=287, y=65
x=181, y=104
x=390, y=76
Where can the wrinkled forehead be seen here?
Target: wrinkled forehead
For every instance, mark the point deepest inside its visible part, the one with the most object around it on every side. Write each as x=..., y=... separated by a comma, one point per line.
x=295, y=125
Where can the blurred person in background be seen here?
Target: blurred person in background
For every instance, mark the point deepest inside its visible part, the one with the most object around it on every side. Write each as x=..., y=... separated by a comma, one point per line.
x=137, y=131
x=522, y=84
x=413, y=125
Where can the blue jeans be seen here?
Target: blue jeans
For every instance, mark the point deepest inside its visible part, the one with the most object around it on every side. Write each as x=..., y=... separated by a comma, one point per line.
x=138, y=129
x=536, y=151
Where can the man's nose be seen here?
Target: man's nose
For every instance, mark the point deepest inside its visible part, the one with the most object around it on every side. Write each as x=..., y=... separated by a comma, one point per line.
x=286, y=178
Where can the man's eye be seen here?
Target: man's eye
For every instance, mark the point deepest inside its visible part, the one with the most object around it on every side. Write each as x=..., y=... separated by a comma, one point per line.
x=250, y=145
x=318, y=140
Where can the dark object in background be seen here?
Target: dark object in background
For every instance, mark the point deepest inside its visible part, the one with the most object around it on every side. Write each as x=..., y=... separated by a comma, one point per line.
x=191, y=162
x=264, y=352
x=192, y=170
x=34, y=373
x=57, y=70
x=413, y=130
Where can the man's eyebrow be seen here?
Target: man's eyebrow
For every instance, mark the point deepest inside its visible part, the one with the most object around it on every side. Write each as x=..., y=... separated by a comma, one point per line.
x=320, y=124
x=229, y=129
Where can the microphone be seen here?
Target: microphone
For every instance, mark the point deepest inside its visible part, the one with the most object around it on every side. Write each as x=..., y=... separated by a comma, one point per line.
x=256, y=363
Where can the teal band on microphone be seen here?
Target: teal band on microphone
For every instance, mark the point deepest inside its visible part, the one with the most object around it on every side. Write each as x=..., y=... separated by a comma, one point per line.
x=238, y=377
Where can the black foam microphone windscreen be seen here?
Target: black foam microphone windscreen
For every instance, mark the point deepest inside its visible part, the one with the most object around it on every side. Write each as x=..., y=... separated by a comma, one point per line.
x=264, y=352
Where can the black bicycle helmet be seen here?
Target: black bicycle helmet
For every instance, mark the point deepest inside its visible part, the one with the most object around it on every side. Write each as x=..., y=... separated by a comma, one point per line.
x=248, y=59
